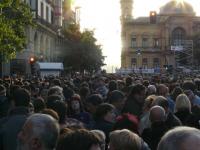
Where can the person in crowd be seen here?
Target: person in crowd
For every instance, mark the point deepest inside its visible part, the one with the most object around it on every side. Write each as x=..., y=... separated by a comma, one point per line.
x=102, y=138
x=180, y=138
x=65, y=122
x=4, y=102
x=84, y=93
x=56, y=90
x=144, y=120
x=68, y=92
x=171, y=120
x=39, y=105
x=175, y=92
x=56, y=82
x=40, y=132
x=105, y=118
x=135, y=100
x=112, y=86
x=184, y=113
x=11, y=125
x=76, y=110
x=51, y=100
x=197, y=85
x=92, y=102
x=51, y=113
x=43, y=93
x=163, y=90
x=189, y=85
x=121, y=85
x=127, y=121
x=126, y=140
x=157, y=129
x=117, y=99
x=128, y=84
x=151, y=90
x=101, y=88
x=146, y=83
x=79, y=140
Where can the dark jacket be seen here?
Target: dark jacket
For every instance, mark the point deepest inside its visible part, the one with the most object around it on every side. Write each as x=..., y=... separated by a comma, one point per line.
x=188, y=119
x=153, y=134
x=4, y=106
x=172, y=121
x=104, y=126
x=133, y=107
x=11, y=126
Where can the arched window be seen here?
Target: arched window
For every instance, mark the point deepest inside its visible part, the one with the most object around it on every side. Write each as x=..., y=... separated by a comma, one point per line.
x=178, y=35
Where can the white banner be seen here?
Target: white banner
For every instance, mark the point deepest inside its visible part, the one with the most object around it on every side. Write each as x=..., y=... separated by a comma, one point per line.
x=176, y=48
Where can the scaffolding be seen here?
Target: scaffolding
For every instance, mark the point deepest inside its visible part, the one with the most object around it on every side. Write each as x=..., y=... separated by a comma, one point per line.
x=183, y=53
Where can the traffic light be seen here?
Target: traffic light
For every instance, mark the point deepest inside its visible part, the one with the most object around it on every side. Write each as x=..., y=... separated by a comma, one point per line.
x=32, y=65
x=32, y=60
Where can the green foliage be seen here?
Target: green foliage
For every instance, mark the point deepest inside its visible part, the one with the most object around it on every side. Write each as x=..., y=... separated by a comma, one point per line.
x=82, y=53
x=14, y=17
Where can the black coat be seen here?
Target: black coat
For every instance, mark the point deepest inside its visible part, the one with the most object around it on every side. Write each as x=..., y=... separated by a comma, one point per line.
x=188, y=119
x=11, y=126
x=104, y=126
x=153, y=134
x=133, y=107
x=172, y=121
x=4, y=106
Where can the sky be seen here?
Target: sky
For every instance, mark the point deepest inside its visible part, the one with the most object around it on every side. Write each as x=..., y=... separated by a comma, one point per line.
x=103, y=16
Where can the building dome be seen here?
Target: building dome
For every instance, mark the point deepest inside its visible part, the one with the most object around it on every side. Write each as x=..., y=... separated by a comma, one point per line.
x=174, y=7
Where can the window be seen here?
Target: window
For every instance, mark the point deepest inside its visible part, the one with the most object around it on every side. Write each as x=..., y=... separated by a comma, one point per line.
x=144, y=63
x=47, y=13
x=133, y=42
x=145, y=42
x=33, y=5
x=155, y=43
x=156, y=62
x=134, y=63
x=42, y=10
x=178, y=35
x=52, y=17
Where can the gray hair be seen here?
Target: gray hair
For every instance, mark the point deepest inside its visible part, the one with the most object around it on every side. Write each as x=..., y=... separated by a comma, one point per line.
x=157, y=113
x=182, y=102
x=125, y=139
x=102, y=138
x=55, y=90
x=45, y=128
x=151, y=89
x=175, y=138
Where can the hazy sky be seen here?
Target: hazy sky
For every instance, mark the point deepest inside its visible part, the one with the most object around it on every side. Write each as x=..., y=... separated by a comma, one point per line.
x=103, y=16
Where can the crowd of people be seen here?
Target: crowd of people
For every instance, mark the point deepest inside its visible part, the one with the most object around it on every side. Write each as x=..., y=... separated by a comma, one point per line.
x=103, y=112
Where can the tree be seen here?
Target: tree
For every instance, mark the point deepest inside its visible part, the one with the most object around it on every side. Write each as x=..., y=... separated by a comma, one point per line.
x=15, y=15
x=82, y=53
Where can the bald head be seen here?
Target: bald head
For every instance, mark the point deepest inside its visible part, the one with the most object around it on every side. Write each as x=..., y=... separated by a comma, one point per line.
x=157, y=114
x=41, y=128
x=163, y=90
x=180, y=138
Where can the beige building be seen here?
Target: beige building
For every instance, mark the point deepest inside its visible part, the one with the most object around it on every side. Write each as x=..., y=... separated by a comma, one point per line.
x=154, y=41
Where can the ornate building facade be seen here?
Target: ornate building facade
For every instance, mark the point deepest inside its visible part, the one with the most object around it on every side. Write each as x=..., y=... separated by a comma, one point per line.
x=44, y=42
x=152, y=42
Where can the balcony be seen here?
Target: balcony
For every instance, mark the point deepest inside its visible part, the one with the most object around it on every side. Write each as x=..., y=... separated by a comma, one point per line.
x=47, y=24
